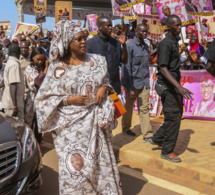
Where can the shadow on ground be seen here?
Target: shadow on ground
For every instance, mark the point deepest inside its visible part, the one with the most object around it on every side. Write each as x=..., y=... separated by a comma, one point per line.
x=183, y=142
x=131, y=185
x=50, y=182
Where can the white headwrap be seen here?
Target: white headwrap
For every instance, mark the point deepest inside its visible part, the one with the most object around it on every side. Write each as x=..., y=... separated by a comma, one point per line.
x=64, y=31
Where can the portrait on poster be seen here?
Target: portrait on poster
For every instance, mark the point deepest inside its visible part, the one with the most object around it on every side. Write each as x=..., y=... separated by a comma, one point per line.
x=40, y=17
x=206, y=106
x=198, y=6
x=120, y=12
x=63, y=14
x=207, y=28
x=168, y=7
x=63, y=10
x=40, y=5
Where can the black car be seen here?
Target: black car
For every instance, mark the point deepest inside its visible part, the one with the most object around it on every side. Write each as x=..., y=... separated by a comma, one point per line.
x=20, y=158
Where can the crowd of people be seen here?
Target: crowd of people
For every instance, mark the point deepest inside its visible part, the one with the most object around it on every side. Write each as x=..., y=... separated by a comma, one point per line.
x=61, y=84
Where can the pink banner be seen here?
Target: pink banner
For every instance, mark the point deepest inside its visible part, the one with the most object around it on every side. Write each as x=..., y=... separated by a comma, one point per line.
x=202, y=84
x=141, y=8
x=117, y=11
x=200, y=106
x=172, y=7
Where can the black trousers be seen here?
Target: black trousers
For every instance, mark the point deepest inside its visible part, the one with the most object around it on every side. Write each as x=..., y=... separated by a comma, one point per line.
x=168, y=132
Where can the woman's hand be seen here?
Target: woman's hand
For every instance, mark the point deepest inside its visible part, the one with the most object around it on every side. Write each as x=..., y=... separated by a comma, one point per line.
x=46, y=65
x=101, y=95
x=78, y=100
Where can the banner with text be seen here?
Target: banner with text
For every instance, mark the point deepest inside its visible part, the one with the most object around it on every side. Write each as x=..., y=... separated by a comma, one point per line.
x=129, y=3
x=202, y=84
x=199, y=7
x=155, y=31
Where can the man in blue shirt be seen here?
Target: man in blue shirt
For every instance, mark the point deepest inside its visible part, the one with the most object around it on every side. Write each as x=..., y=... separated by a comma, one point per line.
x=114, y=50
x=135, y=79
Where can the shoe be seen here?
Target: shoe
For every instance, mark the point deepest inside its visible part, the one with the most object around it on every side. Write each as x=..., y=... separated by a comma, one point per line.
x=150, y=141
x=129, y=133
x=171, y=157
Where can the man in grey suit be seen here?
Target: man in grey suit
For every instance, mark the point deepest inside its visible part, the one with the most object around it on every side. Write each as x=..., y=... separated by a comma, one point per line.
x=190, y=7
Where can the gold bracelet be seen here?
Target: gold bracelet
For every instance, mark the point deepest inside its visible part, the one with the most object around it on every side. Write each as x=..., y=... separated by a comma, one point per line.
x=65, y=102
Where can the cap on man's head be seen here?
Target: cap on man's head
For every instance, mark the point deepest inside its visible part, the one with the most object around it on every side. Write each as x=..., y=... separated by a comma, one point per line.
x=204, y=19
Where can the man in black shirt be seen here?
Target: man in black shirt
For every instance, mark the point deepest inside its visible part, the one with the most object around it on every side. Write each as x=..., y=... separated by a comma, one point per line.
x=210, y=55
x=114, y=50
x=169, y=88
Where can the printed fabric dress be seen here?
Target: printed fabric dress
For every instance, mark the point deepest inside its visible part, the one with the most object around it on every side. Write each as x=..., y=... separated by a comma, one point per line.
x=32, y=76
x=86, y=160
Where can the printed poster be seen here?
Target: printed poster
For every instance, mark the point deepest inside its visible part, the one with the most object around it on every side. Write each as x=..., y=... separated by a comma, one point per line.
x=5, y=26
x=202, y=84
x=129, y=3
x=117, y=11
x=199, y=7
x=24, y=28
x=174, y=7
x=63, y=10
x=155, y=30
x=40, y=5
x=91, y=21
x=208, y=28
x=140, y=8
x=155, y=105
x=40, y=17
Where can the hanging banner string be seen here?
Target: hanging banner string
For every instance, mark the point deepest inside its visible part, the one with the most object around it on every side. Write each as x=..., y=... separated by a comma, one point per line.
x=200, y=14
x=149, y=2
x=184, y=23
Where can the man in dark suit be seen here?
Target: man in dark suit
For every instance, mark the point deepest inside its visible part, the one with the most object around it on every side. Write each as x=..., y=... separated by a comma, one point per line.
x=190, y=7
x=166, y=12
x=114, y=50
x=66, y=13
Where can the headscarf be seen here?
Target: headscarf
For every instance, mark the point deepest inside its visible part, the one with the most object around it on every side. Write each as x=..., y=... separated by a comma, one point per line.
x=193, y=47
x=191, y=28
x=63, y=33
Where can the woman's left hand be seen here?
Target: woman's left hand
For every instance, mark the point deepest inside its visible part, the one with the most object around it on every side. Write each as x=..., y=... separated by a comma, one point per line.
x=101, y=95
x=46, y=65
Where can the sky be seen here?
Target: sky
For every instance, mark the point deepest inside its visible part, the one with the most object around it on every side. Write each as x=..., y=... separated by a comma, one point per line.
x=8, y=12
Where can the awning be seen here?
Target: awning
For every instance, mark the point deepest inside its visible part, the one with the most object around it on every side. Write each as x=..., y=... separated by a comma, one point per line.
x=81, y=8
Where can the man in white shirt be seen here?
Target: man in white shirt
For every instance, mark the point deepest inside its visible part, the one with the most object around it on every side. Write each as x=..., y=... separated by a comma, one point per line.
x=13, y=95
